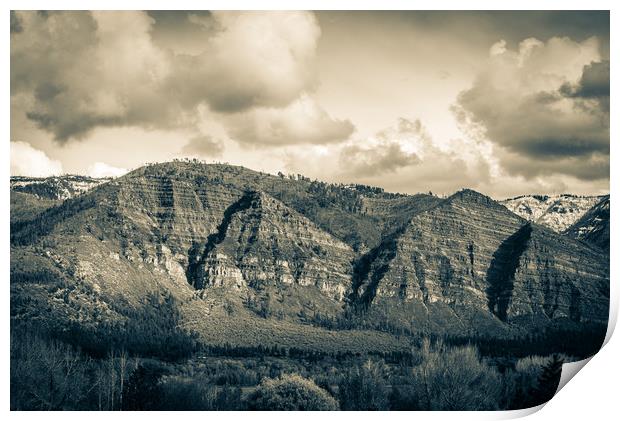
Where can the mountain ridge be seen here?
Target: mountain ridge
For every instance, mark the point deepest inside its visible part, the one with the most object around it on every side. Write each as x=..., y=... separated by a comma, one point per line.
x=231, y=243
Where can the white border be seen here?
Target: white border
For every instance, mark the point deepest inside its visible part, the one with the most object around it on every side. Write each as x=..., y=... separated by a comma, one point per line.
x=592, y=395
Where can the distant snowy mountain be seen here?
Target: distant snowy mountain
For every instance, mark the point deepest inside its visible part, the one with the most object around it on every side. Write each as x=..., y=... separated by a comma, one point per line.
x=56, y=188
x=557, y=212
x=593, y=227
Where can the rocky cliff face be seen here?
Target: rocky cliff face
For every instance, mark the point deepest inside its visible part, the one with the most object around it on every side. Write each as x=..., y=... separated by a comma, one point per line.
x=557, y=212
x=240, y=244
x=262, y=243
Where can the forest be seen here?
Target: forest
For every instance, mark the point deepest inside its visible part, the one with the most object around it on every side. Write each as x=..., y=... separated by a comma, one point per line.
x=51, y=372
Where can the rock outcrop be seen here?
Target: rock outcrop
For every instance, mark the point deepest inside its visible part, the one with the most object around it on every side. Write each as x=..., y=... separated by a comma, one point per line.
x=262, y=243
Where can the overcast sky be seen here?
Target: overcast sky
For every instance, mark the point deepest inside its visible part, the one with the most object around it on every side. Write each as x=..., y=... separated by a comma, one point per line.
x=505, y=103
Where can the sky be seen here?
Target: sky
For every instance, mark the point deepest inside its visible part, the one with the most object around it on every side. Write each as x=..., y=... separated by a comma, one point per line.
x=506, y=103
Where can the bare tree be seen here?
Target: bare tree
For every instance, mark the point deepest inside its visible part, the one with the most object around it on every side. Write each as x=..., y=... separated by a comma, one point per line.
x=123, y=363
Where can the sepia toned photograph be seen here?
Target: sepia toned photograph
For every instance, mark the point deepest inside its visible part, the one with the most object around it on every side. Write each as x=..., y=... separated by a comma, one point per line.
x=306, y=210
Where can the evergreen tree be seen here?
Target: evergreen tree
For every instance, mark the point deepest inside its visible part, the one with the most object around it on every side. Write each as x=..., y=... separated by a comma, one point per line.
x=548, y=381
x=142, y=390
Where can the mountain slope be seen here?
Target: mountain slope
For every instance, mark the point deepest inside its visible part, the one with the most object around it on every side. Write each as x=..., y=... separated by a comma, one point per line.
x=593, y=227
x=471, y=259
x=25, y=206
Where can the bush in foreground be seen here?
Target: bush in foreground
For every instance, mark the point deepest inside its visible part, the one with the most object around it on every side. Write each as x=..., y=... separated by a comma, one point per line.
x=290, y=393
x=451, y=379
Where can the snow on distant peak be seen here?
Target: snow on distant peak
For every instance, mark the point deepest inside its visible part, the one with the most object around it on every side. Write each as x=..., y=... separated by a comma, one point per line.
x=557, y=212
x=57, y=187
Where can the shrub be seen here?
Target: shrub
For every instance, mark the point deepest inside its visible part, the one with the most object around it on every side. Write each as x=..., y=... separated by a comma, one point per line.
x=290, y=393
x=455, y=379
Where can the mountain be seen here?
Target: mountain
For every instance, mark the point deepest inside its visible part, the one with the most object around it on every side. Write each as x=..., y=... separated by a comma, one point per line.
x=593, y=227
x=249, y=258
x=471, y=257
x=557, y=212
x=26, y=206
x=32, y=195
x=55, y=188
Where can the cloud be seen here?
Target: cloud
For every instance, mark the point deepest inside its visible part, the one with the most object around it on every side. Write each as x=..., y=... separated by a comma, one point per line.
x=303, y=121
x=72, y=72
x=377, y=160
x=88, y=69
x=28, y=161
x=593, y=85
x=404, y=158
x=594, y=80
x=592, y=167
x=101, y=169
x=542, y=109
x=264, y=59
x=498, y=48
x=182, y=31
x=205, y=146
x=389, y=150
x=15, y=25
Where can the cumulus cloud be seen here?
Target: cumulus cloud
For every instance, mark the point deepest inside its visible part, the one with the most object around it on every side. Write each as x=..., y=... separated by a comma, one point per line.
x=498, y=48
x=404, y=158
x=88, y=69
x=387, y=151
x=81, y=70
x=372, y=160
x=542, y=106
x=593, y=85
x=28, y=161
x=256, y=59
x=303, y=121
x=204, y=146
x=594, y=82
x=182, y=31
x=101, y=169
